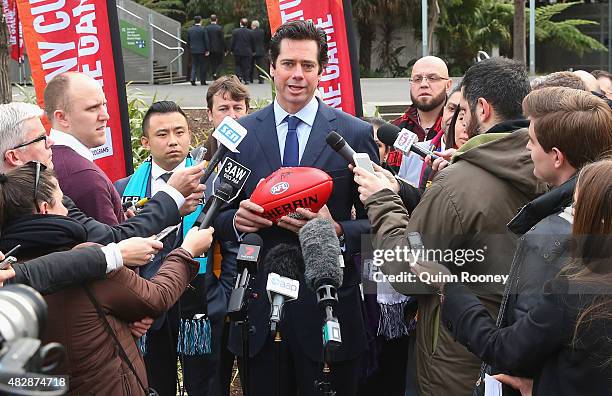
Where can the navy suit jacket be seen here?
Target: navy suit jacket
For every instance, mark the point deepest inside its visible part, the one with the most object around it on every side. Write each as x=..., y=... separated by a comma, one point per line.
x=243, y=42
x=217, y=289
x=216, y=40
x=259, y=151
x=197, y=40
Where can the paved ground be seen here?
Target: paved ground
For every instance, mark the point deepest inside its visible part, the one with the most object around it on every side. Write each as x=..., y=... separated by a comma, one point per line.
x=375, y=91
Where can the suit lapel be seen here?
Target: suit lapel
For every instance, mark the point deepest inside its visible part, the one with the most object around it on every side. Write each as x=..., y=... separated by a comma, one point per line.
x=265, y=133
x=322, y=126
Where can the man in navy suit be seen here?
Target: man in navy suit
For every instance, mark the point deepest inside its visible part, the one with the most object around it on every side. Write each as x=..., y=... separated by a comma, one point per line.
x=197, y=41
x=243, y=48
x=216, y=40
x=291, y=132
x=166, y=134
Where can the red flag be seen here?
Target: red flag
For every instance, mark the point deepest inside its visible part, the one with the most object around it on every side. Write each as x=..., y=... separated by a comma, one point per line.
x=14, y=30
x=75, y=35
x=339, y=82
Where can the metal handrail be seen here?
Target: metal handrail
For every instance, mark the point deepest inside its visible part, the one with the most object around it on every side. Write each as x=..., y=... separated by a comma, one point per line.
x=152, y=26
x=129, y=12
x=180, y=50
x=169, y=34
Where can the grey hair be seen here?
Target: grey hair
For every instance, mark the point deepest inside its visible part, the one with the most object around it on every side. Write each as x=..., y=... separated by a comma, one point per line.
x=255, y=23
x=12, y=117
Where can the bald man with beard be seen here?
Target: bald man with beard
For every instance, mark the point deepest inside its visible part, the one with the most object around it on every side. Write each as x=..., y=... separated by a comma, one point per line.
x=429, y=85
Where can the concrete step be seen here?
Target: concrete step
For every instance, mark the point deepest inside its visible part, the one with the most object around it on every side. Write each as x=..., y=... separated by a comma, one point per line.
x=166, y=80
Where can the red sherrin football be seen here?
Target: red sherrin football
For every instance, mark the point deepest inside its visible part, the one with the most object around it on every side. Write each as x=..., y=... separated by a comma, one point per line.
x=287, y=189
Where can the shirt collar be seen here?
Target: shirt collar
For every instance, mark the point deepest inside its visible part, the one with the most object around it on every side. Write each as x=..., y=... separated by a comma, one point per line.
x=307, y=114
x=65, y=139
x=157, y=171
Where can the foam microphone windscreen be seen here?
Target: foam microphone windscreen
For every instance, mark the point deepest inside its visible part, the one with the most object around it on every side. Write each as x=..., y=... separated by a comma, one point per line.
x=285, y=260
x=387, y=133
x=320, y=249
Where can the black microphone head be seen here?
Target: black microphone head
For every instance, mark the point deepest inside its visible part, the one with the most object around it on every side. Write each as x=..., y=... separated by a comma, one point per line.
x=335, y=140
x=285, y=260
x=320, y=249
x=248, y=252
x=387, y=133
x=252, y=239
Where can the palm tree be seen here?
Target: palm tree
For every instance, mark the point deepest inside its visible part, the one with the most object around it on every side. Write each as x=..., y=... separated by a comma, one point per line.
x=364, y=12
x=564, y=33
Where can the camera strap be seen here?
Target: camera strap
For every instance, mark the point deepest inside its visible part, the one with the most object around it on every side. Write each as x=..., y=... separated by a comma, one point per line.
x=122, y=353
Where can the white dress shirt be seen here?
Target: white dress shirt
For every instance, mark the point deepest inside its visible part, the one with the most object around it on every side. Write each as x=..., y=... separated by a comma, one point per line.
x=65, y=139
x=307, y=116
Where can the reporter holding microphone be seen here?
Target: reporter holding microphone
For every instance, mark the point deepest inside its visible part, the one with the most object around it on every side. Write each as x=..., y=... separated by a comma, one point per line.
x=32, y=214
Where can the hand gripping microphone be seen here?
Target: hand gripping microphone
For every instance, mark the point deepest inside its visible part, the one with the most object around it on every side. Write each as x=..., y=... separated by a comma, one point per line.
x=337, y=142
x=284, y=264
x=322, y=273
x=403, y=140
x=247, y=260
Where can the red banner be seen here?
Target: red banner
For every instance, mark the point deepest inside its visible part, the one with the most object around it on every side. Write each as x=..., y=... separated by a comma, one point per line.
x=14, y=29
x=337, y=80
x=74, y=35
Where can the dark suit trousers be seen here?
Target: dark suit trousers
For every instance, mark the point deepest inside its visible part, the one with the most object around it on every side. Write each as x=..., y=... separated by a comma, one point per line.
x=197, y=63
x=297, y=372
x=199, y=372
x=216, y=60
x=259, y=61
x=243, y=66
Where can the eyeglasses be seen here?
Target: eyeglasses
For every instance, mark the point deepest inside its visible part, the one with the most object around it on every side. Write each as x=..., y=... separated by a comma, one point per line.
x=39, y=167
x=38, y=139
x=432, y=78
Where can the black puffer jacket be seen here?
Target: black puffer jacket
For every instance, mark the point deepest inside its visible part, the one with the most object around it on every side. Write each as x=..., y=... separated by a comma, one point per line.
x=542, y=250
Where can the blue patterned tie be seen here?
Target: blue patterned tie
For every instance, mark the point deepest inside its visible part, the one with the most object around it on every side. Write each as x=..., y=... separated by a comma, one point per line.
x=291, y=155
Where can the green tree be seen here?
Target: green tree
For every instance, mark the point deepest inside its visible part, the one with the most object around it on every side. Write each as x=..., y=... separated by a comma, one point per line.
x=364, y=12
x=564, y=33
x=467, y=26
x=174, y=9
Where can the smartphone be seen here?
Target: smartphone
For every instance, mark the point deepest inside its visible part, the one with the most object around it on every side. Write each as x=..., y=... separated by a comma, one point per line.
x=7, y=262
x=362, y=160
x=8, y=259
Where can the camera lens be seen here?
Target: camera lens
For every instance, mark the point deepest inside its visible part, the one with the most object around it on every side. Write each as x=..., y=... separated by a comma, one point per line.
x=23, y=312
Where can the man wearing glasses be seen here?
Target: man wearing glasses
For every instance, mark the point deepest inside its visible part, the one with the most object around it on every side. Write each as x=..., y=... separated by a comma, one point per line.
x=23, y=139
x=429, y=85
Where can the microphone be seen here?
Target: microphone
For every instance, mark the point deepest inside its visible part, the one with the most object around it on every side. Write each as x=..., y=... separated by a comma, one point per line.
x=229, y=133
x=246, y=259
x=322, y=273
x=403, y=140
x=222, y=194
x=340, y=146
x=214, y=161
x=284, y=264
x=248, y=253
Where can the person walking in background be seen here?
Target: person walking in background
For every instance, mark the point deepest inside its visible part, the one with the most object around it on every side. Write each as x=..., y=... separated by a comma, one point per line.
x=216, y=47
x=260, y=51
x=243, y=48
x=197, y=41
